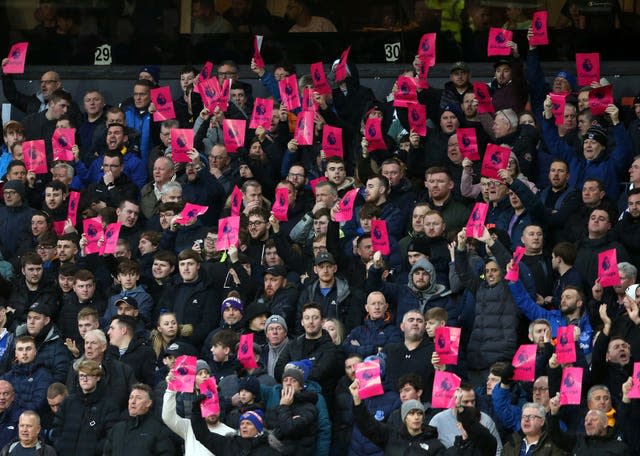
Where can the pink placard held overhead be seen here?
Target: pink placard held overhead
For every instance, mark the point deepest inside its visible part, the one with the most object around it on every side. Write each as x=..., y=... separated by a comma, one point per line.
x=228, y=232
x=233, y=131
x=588, y=68
x=406, y=91
x=341, y=68
x=262, y=113
x=498, y=39
x=481, y=91
x=495, y=158
x=608, y=268
x=524, y=362
x=281, y=204
x=111, y=236
x=62, y=142
x=444, y=387
x=565, y=345
x=369, y=381
x=236, y=200
x=332, y=141
x=345, y=206
x=513, y=273
x=380, y=237
x=35, y=157
x=558, y=104
x=427, y=49
x=314, y=183
x=257, y=45
x=205, y=73
x=600, y=98
x=246, y=357
x=448, y=354
x=289, y=92
x=304, y=128
x=213, y=95
x=58, y=227
x=417, y=114
x=92, y=229
x=17, y=58
x=571, y=386
x=161, y=98
x=475, y=224
x=211, y=405
x=319, y=77
x=184, y=374
x=468, y=143
x=181, y=143
x=190, y=212
x=373, y=134
x=72, y=209
x=308, y=103
x=539, y=29
x=635, y=387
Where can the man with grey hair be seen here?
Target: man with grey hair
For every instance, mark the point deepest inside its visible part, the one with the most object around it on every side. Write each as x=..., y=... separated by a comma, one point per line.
x=171, y=192
x=599, y=438
x=532, y=437
x=63, y=172
x=28, y=441
x=276, y=330
x=163, y=172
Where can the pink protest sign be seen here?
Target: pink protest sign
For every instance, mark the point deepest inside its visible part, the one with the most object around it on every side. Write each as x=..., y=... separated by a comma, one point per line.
x=427, y=49
x=373, y=134
x=308, y=104
x=608, y=268
x=468, y=143
x=558, y=103
x=62, y=142
x=58, y=227
x=304, y=128
x=228, y=231
x=262, y=113
x=524, y=362
x=423, y=74
x=447, y=335
x=588, y=68
x=190, y=212
x=205, y=73
x=181, y=143
x=111, y=235
x=369, y=381
x=495, y=158
x=498, y=39
x=236, y=200
x=257, y=45
x=513, y=273
x=475, y=224
x=571, y=386
x=319, y=77
x=92, y=229
x=211, y=405
x=417, y=114
x=214, y=96
x=481, y=91
x=246, y=357
x=444, y=387
x=565, y=345
x=345, y=206
x=332, y=141
x=72, y=210
x=184, y=374
x=161, y=98
x=17, y=58
x=289, y=92
x=35, y=157
x=281, y=204
x=600, y=98
x=539, y=28
x=314, y=183
x=380, y=237
x=233, y=131
x=341, y=68
x=635, y=387
x=406, y=91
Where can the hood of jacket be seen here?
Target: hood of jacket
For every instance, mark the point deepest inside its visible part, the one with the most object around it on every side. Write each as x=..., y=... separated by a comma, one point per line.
x=434, y=287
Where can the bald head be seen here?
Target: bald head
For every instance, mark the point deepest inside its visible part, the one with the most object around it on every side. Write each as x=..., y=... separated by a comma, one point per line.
x=49, y=82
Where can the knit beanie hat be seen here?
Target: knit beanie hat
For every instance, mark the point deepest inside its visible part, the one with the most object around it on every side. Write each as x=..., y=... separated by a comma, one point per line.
x=256, y=417
x=299, y=370
x=411, y=404
x=250, y=384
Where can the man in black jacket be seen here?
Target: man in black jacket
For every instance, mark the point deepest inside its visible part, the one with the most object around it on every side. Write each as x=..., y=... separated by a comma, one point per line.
x=131, y=347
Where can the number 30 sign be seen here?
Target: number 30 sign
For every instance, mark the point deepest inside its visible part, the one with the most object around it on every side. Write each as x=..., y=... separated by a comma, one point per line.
x=102, y=55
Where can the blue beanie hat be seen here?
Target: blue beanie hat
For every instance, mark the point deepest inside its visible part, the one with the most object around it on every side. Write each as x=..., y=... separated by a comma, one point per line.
x=571, y=79
x=256, y=417
x=153, y=70
x=299, y=370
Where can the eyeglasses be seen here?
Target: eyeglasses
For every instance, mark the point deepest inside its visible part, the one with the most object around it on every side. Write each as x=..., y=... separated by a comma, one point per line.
x=539, y=389
x=530, y=417
x=10, y=192
x=256, y=223
x=85, y=376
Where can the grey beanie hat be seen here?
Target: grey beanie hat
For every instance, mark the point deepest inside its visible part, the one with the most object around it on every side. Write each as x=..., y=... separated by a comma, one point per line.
x=410, y=405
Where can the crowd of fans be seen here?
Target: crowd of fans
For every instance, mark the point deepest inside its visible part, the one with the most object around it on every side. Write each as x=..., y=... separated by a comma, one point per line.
x=88, y=341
